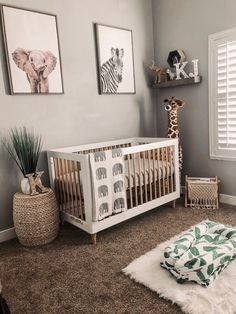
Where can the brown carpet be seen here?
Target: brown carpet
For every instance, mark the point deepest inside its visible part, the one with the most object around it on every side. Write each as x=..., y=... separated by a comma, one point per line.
x=71, y=276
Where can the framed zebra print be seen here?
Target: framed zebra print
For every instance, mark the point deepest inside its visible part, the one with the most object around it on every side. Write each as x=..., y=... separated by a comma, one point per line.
x=115, y=61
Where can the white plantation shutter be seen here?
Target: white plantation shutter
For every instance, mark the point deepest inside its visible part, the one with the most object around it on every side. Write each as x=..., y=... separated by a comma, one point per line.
x=222, y=94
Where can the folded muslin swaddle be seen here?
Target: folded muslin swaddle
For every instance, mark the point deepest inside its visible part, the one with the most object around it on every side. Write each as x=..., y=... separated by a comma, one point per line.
x=201, y=253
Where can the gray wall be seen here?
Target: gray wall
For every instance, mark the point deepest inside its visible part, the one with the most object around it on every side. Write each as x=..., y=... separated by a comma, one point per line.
x=186, y=24
x=80, y=115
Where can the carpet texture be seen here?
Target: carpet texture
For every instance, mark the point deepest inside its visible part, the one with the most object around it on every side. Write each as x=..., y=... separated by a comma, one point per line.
x=70, y=276
x=218, y=298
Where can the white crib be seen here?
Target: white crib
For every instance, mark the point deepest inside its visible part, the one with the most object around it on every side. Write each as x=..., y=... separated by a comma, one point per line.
x=152, y=174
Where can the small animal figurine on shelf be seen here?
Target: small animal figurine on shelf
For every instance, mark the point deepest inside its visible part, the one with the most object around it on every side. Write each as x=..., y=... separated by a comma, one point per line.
x=159, y=72
x=172, y=105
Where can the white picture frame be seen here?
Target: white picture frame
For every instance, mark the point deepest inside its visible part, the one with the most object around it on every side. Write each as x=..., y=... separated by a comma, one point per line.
x=115, y=60
x=32, y=51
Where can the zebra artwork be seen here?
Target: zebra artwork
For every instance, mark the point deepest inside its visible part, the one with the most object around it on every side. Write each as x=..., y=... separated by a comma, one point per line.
x=111, y=72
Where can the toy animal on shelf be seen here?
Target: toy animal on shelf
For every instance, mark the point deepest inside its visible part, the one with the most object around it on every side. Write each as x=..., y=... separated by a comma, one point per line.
x=159, y=72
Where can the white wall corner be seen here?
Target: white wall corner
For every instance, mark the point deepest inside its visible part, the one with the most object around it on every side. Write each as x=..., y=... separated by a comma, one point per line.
x=228, y=199
x=7, y=234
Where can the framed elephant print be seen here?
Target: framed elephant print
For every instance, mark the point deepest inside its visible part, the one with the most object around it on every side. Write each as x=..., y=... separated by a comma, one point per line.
x=115, y=61
x=32, y=51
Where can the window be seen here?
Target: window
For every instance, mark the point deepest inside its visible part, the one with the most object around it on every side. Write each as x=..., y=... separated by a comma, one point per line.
x=222, y=94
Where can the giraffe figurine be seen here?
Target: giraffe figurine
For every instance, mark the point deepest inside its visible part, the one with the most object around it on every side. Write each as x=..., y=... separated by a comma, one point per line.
x=172, y=105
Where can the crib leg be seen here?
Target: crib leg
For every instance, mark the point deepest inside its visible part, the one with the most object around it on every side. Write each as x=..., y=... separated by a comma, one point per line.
x=93, y=238
x=173, y=203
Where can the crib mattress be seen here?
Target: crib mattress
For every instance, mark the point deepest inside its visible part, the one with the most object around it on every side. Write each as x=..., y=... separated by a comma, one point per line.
x=162, y=170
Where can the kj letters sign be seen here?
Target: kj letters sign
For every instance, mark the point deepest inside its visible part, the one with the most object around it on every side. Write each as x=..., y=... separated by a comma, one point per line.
x=181, y=72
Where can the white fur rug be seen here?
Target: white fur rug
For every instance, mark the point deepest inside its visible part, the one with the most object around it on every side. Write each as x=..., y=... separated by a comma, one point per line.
x=217, y=298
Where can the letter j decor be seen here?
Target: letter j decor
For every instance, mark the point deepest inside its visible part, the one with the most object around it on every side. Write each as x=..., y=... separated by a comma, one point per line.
x=32, y=51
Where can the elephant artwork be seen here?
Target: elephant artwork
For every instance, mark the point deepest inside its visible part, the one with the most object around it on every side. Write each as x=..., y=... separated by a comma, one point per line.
x=118, y=186
x=99, y=156
x=119, y=203
x=117, y=169
x=101, y=173
x=37, y=65
x=102, y=191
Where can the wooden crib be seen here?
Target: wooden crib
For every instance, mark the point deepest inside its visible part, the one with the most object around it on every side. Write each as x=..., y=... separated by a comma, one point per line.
x=152, y=174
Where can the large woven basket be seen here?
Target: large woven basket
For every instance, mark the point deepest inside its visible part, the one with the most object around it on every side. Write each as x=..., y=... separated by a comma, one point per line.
x=36, y=218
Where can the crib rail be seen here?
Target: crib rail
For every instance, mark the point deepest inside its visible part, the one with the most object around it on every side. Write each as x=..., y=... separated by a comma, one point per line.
x=98, y=149
x=97, y=146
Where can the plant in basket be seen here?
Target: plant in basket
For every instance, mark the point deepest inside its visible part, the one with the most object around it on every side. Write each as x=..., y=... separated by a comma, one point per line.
x=24, y=146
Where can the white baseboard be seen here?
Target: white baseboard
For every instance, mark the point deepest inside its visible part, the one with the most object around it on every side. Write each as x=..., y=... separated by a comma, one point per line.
x=7, y=234
x=228, y=199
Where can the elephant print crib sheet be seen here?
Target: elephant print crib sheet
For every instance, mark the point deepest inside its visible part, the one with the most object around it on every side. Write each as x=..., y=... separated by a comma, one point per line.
x=108, y=179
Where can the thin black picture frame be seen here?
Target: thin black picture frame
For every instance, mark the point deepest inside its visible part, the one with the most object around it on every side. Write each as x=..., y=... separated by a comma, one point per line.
x=98, y=58
x=4, y=34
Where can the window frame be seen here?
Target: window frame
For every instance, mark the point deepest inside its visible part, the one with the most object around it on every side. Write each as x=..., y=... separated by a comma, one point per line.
x=213, y=41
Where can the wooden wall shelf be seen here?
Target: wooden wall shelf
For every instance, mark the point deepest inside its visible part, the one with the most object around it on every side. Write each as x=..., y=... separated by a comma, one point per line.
x=174, y=83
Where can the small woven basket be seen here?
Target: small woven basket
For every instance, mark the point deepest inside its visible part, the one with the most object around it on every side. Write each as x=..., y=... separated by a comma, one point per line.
x=202, y=192
x=36, y=218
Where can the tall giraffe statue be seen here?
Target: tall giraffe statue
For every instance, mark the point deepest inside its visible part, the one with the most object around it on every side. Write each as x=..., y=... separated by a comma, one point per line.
x=172, y=105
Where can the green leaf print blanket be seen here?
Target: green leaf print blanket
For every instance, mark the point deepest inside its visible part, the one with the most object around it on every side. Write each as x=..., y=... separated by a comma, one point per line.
x=201, y=253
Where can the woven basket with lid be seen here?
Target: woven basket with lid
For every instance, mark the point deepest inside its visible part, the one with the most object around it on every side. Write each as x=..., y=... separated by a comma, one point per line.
x=36, y=218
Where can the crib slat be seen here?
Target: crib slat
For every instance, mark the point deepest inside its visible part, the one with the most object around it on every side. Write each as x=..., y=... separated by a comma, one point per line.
x=73, y=170
x=135, y=183
x=149, y=176
x=163, y=169
x=78, y=186
x=60, y=184
x=63, y=183
x=70, y=186
x=57, y=181
x=171, y=170
x=154, y=173
x=74, y=190
x=159, y=171
x=129, y=182
x=67, y=186
x=140, y=179
x=167, y=169
x=65, y=179
x=145, y=181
